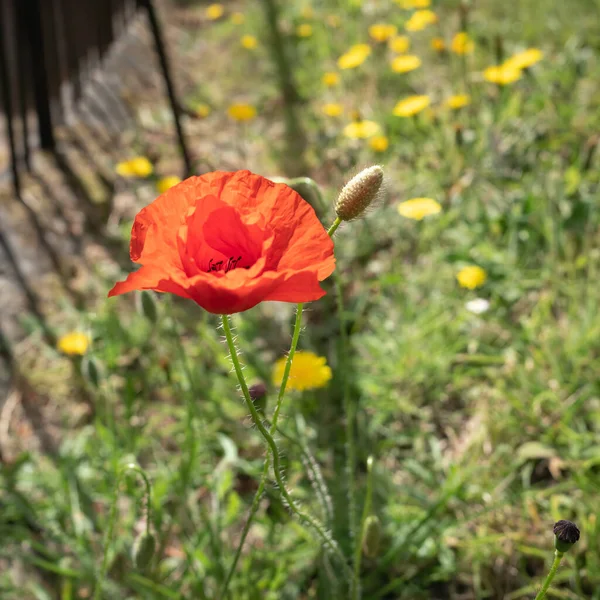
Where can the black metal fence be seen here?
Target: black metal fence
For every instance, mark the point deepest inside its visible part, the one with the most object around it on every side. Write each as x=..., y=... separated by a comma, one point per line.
x=48, y=49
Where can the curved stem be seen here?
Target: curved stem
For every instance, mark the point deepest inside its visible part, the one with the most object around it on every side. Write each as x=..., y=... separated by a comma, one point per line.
x=553, y=570
x=273, y=427
x=113, y=519
x=307, y=519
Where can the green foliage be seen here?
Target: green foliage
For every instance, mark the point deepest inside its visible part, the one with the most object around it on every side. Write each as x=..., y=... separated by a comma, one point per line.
x=484, y=427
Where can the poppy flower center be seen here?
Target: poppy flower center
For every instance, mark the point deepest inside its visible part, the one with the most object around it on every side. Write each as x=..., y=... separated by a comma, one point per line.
x=215, y=240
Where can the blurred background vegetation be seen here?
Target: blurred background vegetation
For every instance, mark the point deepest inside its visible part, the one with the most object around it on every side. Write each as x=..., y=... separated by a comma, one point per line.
x=483, y=418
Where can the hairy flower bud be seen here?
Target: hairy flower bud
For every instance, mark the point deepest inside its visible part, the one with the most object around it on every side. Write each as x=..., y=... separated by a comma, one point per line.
x=146, y=306
x=143, y=550
x=359, y=193
x=566, y=535
x=371, y=536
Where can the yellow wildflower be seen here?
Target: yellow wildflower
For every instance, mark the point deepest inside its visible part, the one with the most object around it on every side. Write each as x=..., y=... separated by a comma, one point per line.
x=361, y=129
x=382, y=32
x=525, y=59
x=136, y=167
x=458, y=101
x=74, y=343
x=420, y=19
x=238, y=18
x=502, y=74
x=462, y=43
x=249, y=42
x=471, y=277
x=241, y=112
x=304, y=30
x=405, y=63
x=438, y=44
x=166, y=183
x=330, y=78
x=214, y=11
x=202, y=110
x=408, y=4
x=411, y=106
x=379, y=143
x=354, y=57
x=399, y=44
x=332, y=109
x=419, y=208
x=308, y=372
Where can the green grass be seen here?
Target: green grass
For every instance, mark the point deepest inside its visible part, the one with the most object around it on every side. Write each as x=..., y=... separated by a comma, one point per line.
x=484, y=429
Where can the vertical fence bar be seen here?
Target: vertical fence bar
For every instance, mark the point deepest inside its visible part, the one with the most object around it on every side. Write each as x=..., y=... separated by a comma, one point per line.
x=166, y=73
x=8, y=110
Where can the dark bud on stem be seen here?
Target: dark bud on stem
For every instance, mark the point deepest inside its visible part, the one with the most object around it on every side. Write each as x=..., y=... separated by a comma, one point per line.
x=258, y=394
x=566, y=535
x=143, y=550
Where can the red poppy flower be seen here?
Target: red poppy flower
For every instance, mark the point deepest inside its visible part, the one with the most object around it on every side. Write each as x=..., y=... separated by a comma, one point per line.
x=229, y=241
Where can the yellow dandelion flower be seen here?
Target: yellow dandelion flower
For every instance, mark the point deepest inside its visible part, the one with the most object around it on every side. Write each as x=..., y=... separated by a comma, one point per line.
x=399, y=44
x=238, y=18
x=419, y=208
x=330, y=78
x=471, y=277
x=138, y=167
x=458, y=101
x=332, y=109
x=405, y=63
x=438, y=44
x=525, y=59
x=202, y=110
x=420, y=19
x=304, y=30
x=361, y=129
x=409, y=4
x=351, y=60
x=214, y=11
x=502, y=74
x=166, y=183
x=382, y=32
x=241, y=112
x=308, y=372
x=75, y=343
x=462, y=43
x=379, y=143
x=411, y=106
x=249, y=42
x=333, y=21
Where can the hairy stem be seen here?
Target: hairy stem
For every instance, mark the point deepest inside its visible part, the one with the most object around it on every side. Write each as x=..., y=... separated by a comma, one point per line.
x=553, y=570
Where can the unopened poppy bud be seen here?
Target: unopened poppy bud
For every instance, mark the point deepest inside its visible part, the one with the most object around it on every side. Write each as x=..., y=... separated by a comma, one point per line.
x=90, y=370
x=371, y=536
x=258, y=394
x=143, y=550
x=359, y=193
x=566, y=535
x=146, y=305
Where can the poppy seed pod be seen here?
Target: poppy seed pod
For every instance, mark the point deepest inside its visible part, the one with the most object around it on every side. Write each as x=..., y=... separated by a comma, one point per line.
x=566, y=535
x=359, y=193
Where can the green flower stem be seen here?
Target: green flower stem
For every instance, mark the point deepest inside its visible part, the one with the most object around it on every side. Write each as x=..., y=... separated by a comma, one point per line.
x=307, y=519
x=365, y=514
x=350, y=450
x=113, y=519
x=272, y=429
x=334, y=227
x=553, y=570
